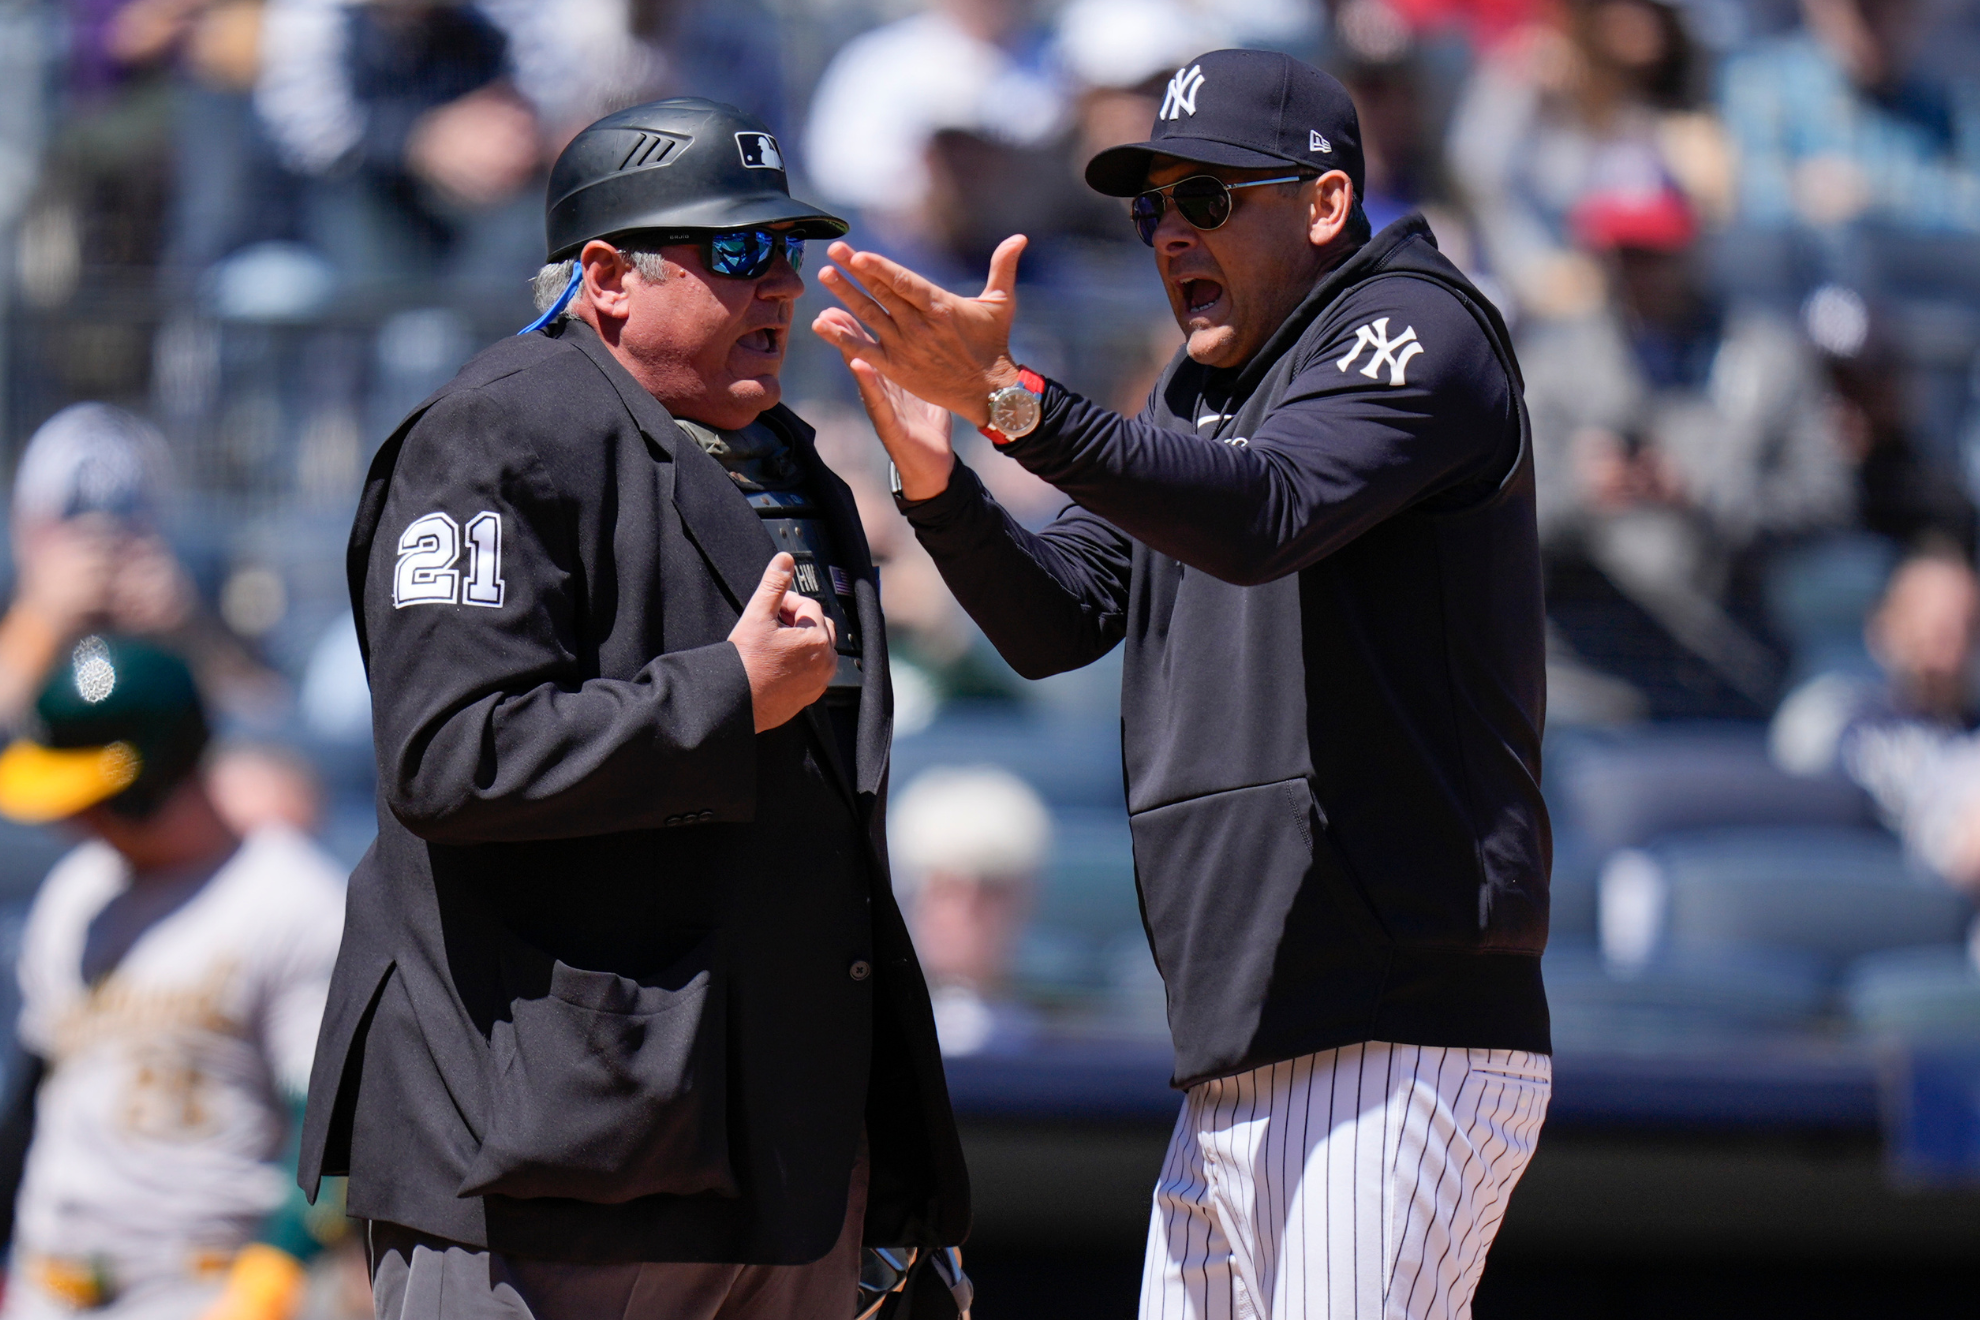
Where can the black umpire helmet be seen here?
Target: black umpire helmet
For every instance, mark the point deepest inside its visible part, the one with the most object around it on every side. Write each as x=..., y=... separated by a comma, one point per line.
x=683, y=163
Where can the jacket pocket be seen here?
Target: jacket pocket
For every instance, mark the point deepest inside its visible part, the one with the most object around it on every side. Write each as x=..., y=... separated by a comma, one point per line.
x=610, y=1089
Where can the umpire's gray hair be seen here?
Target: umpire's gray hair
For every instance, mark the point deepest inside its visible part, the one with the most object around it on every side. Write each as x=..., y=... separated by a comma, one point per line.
x=550, y=282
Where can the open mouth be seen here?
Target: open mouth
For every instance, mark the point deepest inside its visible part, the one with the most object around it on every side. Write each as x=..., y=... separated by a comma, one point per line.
x=766, y=340
x=1201, y=295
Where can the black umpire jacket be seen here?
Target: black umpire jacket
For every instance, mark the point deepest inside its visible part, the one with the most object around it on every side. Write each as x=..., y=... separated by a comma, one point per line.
x=1325, y=570
x=621, y=978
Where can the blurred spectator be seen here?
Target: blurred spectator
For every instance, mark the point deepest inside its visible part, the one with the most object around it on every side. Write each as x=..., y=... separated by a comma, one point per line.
x=1838, y=122
x=1120, y=45
x=985, y=177
x=1380, y=63
x=1676, y=441
x=969, y=842
x=1906, y=736
x=1905, y=491
x=89, y=553
x=421, y=126
x=172, y=976
x=228, y=190
x=1485, y=22
x=260, y=784
x=105, y=179
x=1605, y=102
x=980, y=190
x=980, y=66
x=87, y=548
x=1922, y=637
x=726, y=51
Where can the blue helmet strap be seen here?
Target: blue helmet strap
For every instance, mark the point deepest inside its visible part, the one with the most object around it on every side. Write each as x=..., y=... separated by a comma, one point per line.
x=556, y=309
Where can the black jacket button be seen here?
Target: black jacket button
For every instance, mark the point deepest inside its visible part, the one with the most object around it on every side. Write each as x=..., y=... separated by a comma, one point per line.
x=707, y=816
x=860, y=970
x=673, y=820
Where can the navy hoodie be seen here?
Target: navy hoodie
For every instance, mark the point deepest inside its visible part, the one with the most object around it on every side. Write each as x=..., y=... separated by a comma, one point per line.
x=1324, y=568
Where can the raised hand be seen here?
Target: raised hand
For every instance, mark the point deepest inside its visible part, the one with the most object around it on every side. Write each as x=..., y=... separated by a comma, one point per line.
x=949, y=350
x=915, y=432
x=789, y=647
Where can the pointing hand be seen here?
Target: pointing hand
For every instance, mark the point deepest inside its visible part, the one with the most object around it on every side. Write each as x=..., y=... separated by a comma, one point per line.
x=789, y=647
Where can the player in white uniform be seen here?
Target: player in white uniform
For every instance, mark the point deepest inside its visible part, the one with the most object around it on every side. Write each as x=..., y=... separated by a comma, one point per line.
x=172, y=978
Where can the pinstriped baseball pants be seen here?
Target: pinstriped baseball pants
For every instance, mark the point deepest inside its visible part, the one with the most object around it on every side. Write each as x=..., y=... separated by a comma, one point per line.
x=1364, y=1183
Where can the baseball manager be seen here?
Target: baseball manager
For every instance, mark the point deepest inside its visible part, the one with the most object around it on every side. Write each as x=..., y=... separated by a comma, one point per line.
x=1317, y=544
x=625, y=1020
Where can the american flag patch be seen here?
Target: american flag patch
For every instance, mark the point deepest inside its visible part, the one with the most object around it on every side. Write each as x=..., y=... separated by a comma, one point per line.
x=841, y=584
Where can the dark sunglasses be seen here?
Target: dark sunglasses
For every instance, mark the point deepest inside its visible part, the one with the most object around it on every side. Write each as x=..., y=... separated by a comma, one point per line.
x=743, y=254
x=1203, y=199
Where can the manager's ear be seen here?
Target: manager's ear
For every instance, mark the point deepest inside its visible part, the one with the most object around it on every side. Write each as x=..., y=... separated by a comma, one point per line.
x=1330, y=201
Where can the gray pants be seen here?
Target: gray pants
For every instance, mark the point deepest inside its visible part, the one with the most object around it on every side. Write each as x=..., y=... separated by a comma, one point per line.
x=418, y=1277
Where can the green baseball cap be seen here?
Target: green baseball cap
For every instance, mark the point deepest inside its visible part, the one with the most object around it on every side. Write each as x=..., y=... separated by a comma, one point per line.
x=119, y=723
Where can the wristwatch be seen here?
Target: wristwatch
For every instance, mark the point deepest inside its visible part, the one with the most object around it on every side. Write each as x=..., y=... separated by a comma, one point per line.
x=1015, y=409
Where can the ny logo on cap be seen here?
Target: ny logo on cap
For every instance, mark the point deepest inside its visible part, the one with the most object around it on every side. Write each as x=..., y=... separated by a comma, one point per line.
x=759, y=151
x=1183, y=88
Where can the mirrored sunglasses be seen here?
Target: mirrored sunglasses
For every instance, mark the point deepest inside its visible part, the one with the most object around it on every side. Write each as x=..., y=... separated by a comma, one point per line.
x=747, y=254
x=1203, y=199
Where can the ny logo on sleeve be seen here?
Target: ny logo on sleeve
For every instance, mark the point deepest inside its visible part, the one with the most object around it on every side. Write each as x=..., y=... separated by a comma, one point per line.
x=1395, y=352
x=430, y=551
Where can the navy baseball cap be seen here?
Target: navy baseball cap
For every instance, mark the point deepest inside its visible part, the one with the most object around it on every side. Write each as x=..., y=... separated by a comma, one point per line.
x=1250, y=109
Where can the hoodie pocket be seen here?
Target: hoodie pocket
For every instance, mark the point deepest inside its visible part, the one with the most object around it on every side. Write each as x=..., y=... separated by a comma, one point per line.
x=1242, y=893
x=610, y=1088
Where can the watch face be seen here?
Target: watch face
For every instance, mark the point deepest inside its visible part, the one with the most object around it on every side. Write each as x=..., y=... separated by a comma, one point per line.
x=1014, y=411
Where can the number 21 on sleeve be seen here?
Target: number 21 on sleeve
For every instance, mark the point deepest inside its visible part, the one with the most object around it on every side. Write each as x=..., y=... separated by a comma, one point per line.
x=429, y=550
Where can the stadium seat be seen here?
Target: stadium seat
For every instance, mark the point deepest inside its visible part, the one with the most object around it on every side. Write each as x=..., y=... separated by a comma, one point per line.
x=1071, y=762
x=1930, y=993
x=1621, y=789
x=1832, y=893
x=1818, y=596
x=1680, y=998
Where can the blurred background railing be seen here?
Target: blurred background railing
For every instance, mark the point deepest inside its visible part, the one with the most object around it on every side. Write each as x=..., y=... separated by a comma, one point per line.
x=1739, y=242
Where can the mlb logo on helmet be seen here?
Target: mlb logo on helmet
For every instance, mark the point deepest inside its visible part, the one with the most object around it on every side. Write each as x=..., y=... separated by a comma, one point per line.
x=759, y=151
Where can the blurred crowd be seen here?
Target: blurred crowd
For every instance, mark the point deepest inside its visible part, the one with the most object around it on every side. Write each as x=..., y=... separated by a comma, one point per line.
x=1738, y=242
x=1737, y=236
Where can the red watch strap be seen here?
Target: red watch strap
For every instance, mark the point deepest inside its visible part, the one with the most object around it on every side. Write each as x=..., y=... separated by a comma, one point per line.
x=1030, y=380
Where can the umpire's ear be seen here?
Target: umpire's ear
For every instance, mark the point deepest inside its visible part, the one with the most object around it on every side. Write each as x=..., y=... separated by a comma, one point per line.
x=607, y=272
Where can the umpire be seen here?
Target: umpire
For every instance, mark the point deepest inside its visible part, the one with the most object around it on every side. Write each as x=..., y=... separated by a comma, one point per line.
x=626, y=1021
x=1317, y=544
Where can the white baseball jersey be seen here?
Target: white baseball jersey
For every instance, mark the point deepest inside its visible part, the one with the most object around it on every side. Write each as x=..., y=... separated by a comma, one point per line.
x=1363, y=1183
x=169, y=1080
